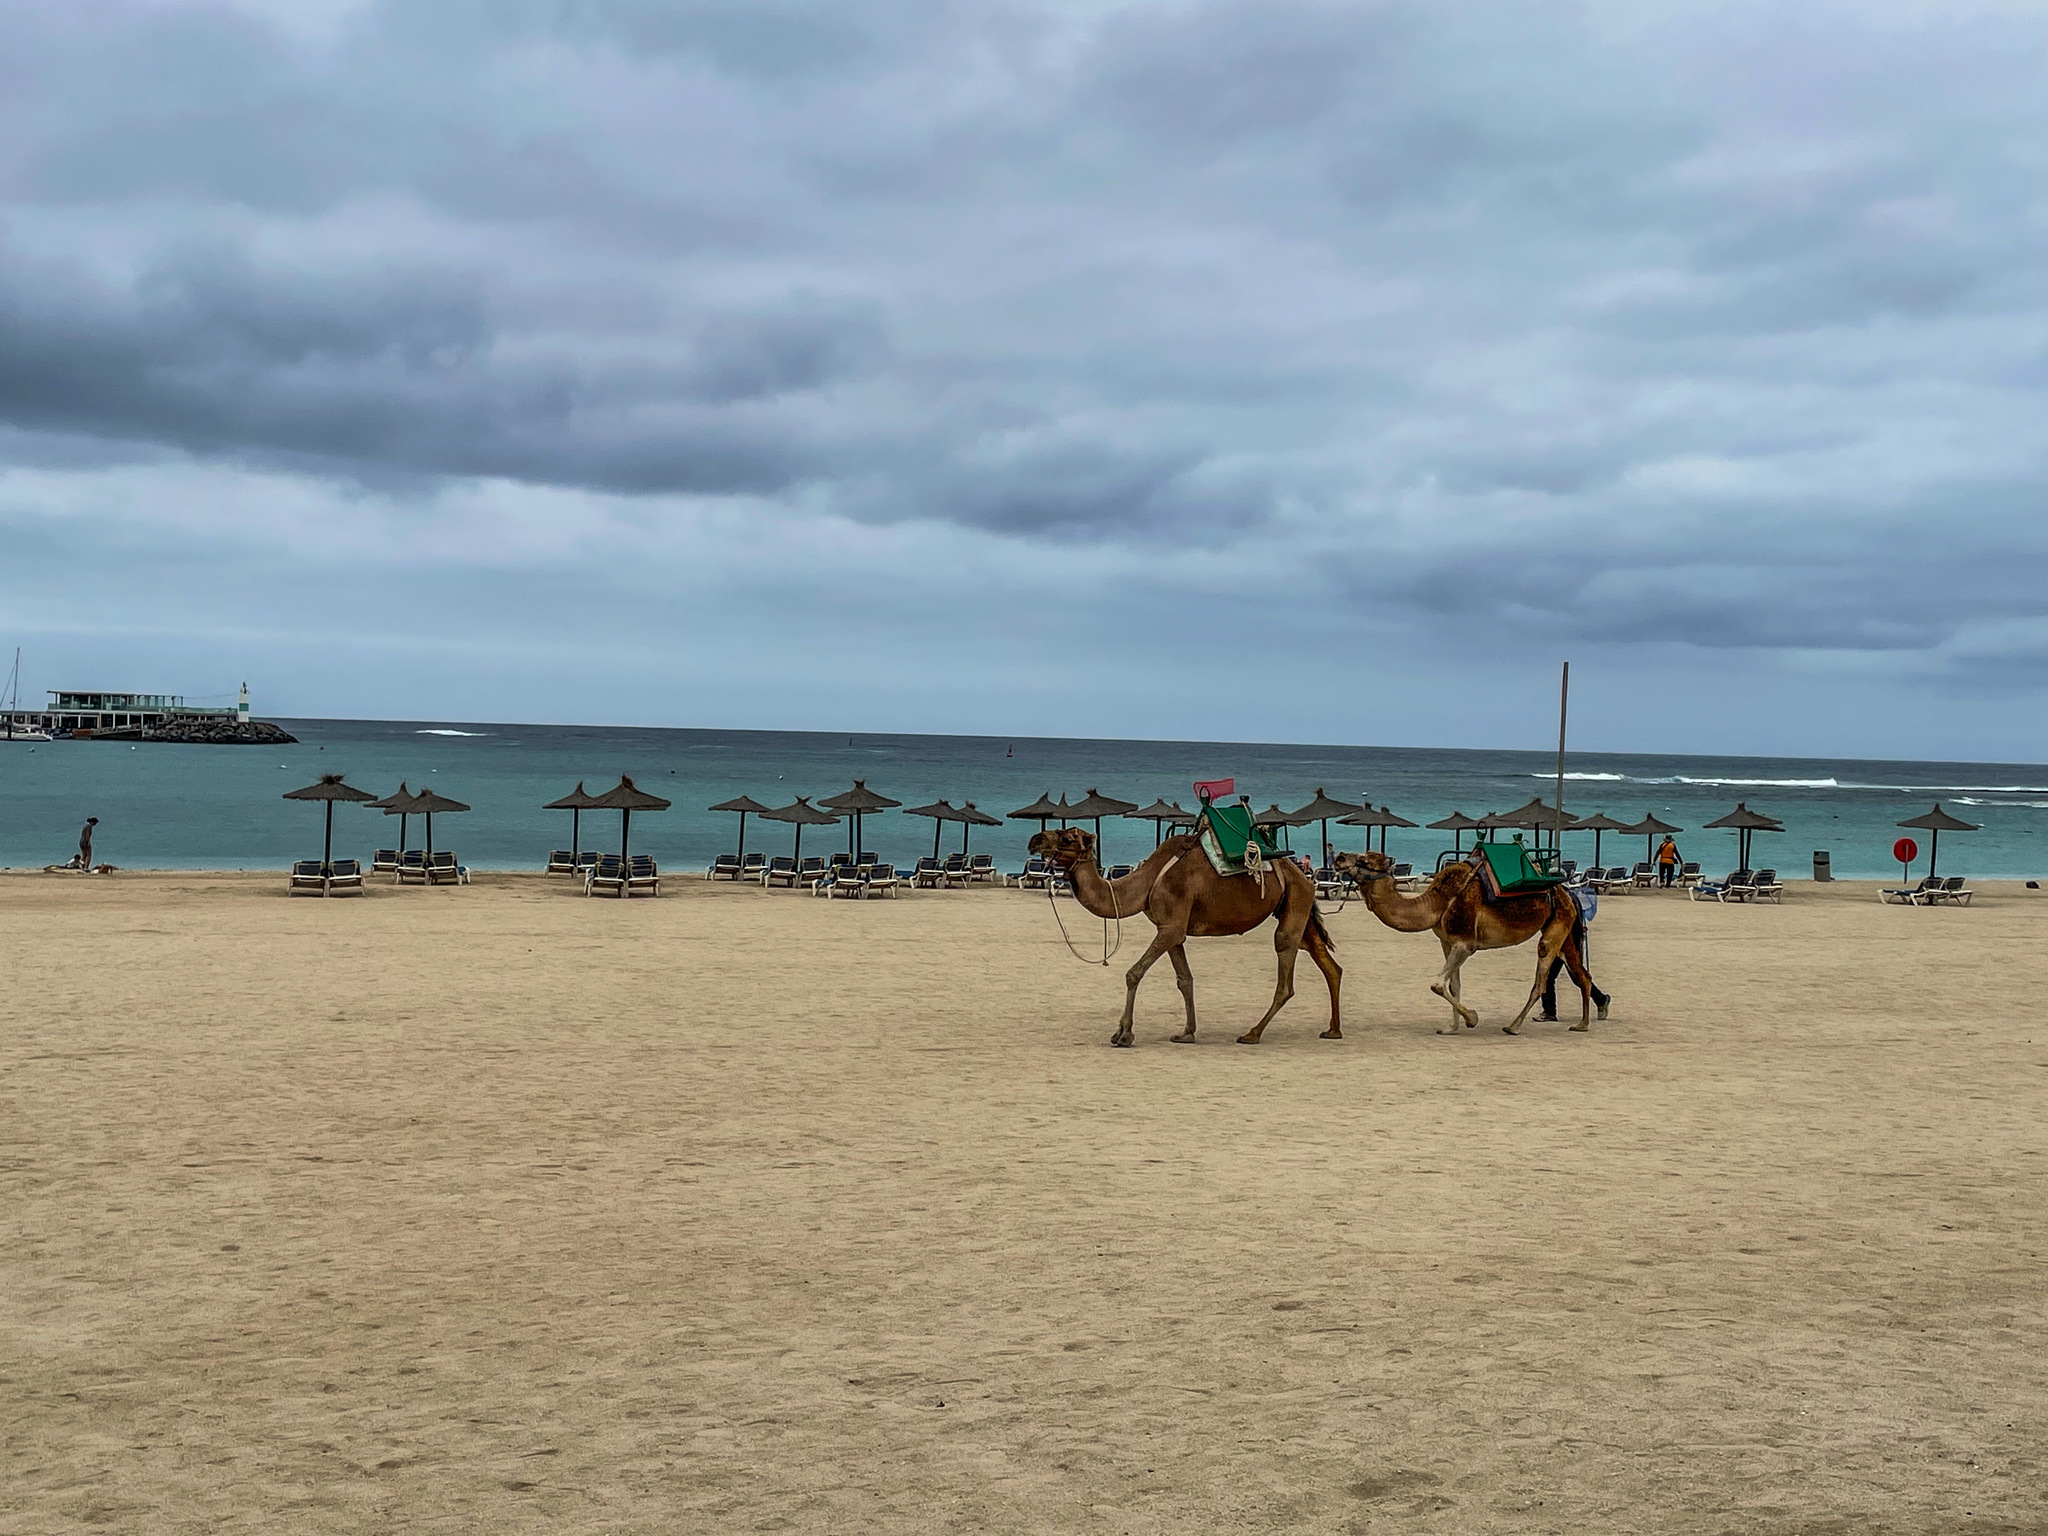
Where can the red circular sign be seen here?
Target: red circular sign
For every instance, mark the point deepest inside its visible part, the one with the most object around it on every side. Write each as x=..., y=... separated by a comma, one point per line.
x=1905, y=850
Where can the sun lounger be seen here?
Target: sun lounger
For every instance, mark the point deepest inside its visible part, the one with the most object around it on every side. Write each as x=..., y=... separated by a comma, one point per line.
x=1767, y=884
x=384, y=861
x=725, y=867
x=1331, y=885
x=443, y=869
x=849, y=881
x=1035, y=875
x=412, y=867
x=1739, y=886
x=1613, y=881
x=1644, y=876
x=954, y=869
x=345, y=878
x=925, y=875
x=1688, y=876
x=983, y=867
x=561, y=862
x=882, y=880
x=752, y=864
x=642, y=877
x=1954, y=891
x=782, y=867
x=1909, y=896
x=309, y=878
x=607, y=876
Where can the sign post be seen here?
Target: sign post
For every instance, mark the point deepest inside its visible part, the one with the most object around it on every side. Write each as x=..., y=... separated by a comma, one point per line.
x=1905, y=850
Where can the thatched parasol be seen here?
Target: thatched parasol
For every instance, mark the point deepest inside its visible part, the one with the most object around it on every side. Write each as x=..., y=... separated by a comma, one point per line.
x=1322, y=808
x=1369, y=818
x=1938, y=821
x=1597, y=823
x=804, y=814
x=1273, y=817
x=626, y=797
x=1457, y=824
x=1095, y=805
x=941, y=812
x=425, y=803
x=859, y=803
x=744, y=805
x=1744, y=823
x=1158, y=813
x=1649, y=829
x=1041, y=810
x=398, y=803
x=971, y=817
x=576, y=802
x=330, y=789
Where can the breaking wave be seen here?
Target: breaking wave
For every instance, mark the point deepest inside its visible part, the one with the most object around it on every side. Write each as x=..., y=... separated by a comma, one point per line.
x=1731, y=783
x=451, y=733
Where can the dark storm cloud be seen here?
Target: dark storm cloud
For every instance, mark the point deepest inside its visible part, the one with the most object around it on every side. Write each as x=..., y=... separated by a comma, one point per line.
x=1720, y=326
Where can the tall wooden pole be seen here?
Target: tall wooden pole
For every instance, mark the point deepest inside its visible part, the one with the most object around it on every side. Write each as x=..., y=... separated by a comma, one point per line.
x=1564, y=694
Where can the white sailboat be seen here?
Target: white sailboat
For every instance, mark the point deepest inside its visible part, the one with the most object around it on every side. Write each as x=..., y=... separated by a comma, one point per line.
x=11, y=730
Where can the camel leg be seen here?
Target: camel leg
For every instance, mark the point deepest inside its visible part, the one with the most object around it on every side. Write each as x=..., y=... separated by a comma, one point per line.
x=1549, y=947
x=1447, y=986
x=1333, y=973
x=1283, y=989
x=1186, y=980
x=1161, y=943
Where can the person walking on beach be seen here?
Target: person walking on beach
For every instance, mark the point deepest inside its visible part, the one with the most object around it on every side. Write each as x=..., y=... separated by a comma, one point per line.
x=85, y=842
x=1667, y=863
x=1589, y=906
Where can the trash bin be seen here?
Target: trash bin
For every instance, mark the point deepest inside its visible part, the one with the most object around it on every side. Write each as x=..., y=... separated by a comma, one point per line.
x=1821, y=869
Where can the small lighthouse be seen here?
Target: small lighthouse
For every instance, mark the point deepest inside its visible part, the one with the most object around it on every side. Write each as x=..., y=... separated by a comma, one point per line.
x=242, y=707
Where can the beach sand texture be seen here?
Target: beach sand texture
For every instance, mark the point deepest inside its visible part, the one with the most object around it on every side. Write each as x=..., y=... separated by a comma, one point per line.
x=493, y=1209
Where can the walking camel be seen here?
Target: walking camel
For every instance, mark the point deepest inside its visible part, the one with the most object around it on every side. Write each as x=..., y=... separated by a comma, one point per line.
x=1185, y=898
x=1454, y=908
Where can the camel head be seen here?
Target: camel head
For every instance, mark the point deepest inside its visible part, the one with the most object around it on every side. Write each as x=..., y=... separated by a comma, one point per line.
x=1361, y=867
x=1066, y=847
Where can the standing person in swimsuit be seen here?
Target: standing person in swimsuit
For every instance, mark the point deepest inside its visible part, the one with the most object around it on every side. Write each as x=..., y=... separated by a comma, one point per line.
x=85, y=842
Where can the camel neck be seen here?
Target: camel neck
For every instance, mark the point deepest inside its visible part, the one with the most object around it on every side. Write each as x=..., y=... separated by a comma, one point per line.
x=1119, y=898
x=1407, y=914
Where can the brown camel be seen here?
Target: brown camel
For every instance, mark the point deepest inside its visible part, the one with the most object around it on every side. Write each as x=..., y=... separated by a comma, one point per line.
x=1180, y=891
x=1453, y=906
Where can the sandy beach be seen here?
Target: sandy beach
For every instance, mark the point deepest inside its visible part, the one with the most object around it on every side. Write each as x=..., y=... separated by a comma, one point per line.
x=493, y=1209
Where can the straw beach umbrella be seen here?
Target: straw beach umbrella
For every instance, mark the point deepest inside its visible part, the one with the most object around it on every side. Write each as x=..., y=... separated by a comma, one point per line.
x=398, y=803
x=1368, y=818
x=330, y=789
x=804, y=814
x=576, y=802
x=1745, y=823
x=859, y=803
x=1041, y=810
x=744, y=805
x=1649, y=829
x=969, y=818
x=941, y=812
x=1158, y=813
x=1457, y=824
x=1938, y=821
x=1095, y=805
x=1322, y=808
x=626, y=797
x=1597, y=823
x=425, y=803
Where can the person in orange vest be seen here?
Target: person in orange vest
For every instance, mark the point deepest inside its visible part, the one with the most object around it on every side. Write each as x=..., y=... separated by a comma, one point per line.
x=1667, y=863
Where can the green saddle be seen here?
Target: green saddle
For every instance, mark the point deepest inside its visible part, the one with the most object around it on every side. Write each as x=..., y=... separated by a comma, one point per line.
x=1226, y=831
x=1508, y=868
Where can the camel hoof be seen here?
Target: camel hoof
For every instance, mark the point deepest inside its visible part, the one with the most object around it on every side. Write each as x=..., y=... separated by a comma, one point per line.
x=1580, y=1029
x=1122, y=1041
x=1247, y=1039
x=1182, y=1039
x=1332, y=1033
x=1509, y=1029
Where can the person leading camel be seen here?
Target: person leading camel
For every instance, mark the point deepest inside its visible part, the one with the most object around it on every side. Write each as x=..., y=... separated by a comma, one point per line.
x=1453, y=906
x=1183, y=896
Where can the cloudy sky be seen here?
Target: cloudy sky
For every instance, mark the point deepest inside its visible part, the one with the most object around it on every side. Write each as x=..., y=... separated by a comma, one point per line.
x=1285, y=371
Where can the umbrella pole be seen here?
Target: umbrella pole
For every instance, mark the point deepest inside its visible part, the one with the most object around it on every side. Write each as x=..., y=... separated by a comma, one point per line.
x=966, y=831
x=743, y=839
x=575, y=830
x=327, y=847
x=430, y=837
x=1933, y=850
x=938, y=827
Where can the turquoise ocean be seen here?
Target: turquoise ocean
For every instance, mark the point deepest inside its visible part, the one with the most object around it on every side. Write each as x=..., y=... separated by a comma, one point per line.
x=194, y=807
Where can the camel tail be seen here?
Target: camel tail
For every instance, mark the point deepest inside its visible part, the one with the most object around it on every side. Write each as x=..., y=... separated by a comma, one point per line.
x=1322, y=929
